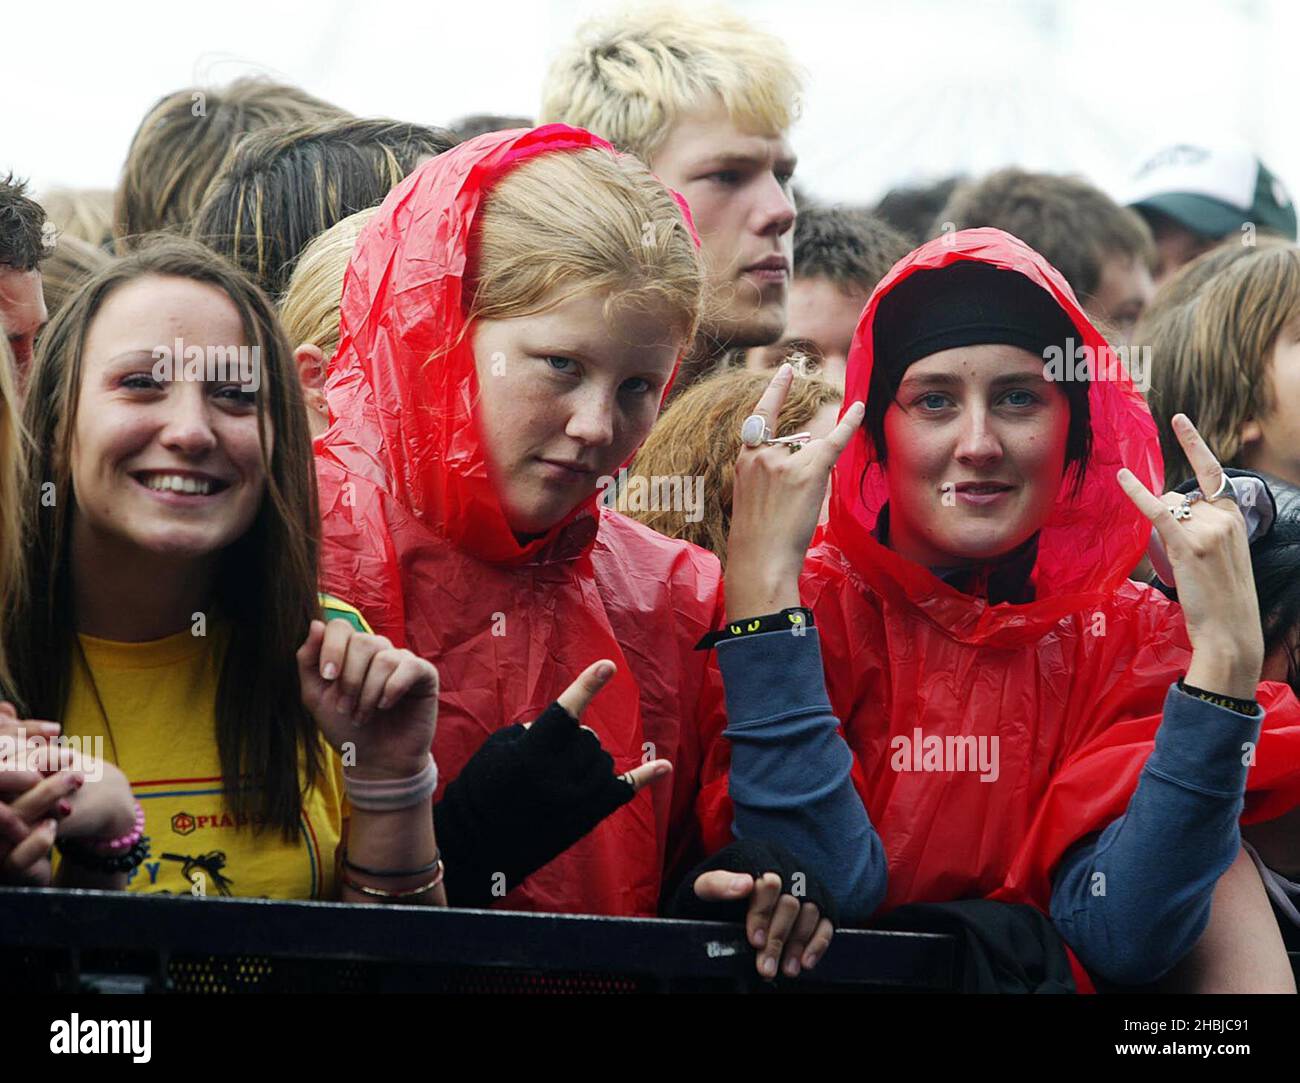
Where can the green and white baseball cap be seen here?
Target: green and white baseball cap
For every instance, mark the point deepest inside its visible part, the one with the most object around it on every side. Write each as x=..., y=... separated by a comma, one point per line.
x=1213, y=191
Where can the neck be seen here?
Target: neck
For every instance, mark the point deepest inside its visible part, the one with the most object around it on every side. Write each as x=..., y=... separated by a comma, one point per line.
x=122, y=593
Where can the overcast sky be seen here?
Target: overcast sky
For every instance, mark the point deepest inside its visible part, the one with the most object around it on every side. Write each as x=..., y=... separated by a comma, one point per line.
x=897, y=89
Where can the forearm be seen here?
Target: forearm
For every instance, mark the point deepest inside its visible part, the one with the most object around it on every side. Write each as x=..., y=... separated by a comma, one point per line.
x=398, y=840
x=790, y=777
x=1133, y=901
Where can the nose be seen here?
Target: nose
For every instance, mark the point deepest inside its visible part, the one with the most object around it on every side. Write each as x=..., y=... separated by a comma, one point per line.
x=188, y=426
x=978, y=443
x=592, y=419
x=775, y=209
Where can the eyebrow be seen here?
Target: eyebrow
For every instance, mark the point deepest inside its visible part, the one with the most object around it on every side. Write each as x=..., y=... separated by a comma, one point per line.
x=948, y=379
x=739, y=161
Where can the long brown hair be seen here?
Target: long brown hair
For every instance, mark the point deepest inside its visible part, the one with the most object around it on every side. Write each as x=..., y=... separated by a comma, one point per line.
x=1210, y=354
x=267, y=580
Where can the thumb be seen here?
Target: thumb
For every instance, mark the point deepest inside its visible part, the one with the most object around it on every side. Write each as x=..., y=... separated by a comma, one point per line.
x=646, y=773
x=308, y=656
x=591, y=680
x=722, y=886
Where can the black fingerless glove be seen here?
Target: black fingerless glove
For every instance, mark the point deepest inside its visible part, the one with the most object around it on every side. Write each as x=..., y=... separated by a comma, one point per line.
x=525, y=797
x=756, y=857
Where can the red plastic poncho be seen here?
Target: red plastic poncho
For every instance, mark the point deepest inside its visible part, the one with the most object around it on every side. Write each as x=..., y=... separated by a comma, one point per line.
x=415, y=537
x=1072, y=684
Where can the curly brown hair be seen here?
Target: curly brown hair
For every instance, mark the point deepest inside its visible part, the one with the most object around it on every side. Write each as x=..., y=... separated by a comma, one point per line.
x=698, y=436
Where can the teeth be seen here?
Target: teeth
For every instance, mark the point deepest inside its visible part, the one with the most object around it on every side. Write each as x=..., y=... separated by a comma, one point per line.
x=177, y=484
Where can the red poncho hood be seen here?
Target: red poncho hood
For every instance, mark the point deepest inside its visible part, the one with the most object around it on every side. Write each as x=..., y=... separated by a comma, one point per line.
x=415, y=536
x=1060, y=696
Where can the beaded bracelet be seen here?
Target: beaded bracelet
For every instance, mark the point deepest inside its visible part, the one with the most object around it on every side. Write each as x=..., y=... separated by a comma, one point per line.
x=122, y=843
x=80, y=853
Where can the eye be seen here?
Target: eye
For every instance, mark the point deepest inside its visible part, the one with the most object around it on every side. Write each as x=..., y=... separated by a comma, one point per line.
x=234, y=393
x=562, y=364
x=785, y=177
x=725, y=176
x=1021, y=397
x=933, y=401
x=141, y=381
x=637, y=385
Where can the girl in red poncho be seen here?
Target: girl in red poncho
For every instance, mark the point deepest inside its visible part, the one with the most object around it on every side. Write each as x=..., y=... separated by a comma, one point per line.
x=1000, y=681
x=510, y=322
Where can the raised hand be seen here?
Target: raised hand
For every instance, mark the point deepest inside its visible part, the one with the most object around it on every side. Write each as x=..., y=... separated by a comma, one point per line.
x=1210, y=555
x=362, y=690
x=776, y=501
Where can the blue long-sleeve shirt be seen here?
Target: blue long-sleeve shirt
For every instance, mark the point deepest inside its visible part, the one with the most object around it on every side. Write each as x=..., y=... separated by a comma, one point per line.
x=1130, y=901
x=790, y=768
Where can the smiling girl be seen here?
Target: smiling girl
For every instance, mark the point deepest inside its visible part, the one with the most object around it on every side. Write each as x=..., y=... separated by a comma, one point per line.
x=970, y=587
x=170, y=612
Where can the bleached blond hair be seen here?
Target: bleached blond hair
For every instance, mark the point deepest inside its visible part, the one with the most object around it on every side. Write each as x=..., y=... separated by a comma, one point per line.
x=309, y=309
x=630, y=77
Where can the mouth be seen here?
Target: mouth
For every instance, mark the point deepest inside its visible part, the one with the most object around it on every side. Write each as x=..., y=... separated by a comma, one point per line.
x=180, y=483
x=980, y=493
x=771, y=269
x=566, y=469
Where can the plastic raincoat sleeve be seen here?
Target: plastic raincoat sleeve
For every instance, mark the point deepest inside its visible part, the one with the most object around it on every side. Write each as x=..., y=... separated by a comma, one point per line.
x=1133, y=902
x=790, y=769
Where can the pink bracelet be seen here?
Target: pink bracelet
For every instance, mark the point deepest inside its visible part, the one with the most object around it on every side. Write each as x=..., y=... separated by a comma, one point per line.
x=122, y=843
x=375, y=795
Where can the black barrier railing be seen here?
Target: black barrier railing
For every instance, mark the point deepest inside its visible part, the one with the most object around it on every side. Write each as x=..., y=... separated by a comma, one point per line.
x=74, y=941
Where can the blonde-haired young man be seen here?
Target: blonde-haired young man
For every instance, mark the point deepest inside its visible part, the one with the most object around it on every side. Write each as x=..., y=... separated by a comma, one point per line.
x=706, y=100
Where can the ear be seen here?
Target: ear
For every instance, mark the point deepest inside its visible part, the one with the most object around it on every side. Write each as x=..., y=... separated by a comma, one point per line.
x=311, y=367
x=1249, y=434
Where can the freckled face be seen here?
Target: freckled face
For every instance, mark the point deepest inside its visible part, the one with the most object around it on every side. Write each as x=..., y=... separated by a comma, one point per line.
x=565, y=397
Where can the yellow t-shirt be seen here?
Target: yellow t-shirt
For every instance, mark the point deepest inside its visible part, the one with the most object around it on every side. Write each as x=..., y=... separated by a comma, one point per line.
x=160, y=698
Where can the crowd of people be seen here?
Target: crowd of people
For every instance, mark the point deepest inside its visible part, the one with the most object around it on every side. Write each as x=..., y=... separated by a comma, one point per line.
x=564, y=513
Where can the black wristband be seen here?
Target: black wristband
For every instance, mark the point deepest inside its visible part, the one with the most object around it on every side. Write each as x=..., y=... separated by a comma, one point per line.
x=794, y=619
x=1248, y=707
x=83, y=856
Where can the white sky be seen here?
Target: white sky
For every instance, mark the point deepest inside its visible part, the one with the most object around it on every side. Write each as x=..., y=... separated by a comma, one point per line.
x=898, y=89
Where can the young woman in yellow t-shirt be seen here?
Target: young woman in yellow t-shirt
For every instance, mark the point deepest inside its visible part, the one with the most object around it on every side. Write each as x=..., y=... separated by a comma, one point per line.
x=170, y=616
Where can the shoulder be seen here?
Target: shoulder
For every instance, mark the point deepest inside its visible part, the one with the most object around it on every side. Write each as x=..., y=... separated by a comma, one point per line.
x=336, y=609
x=640, y=569
x=628, y=541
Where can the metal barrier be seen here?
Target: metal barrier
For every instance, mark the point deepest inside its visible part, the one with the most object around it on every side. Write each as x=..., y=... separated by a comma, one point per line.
x=76, y=941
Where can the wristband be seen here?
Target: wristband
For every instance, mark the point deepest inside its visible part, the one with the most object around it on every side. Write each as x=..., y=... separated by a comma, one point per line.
x=80, y=853
x=795, y=620
x=386, y=795
x=1249, y=707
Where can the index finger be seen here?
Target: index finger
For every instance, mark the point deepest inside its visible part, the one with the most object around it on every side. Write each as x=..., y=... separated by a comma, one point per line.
x=1209, y=474
x=591, y=680
x=769, y=406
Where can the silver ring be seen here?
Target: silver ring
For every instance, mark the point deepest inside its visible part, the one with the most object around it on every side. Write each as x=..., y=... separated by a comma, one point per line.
x=754, y=431
x=1225, y=489
x=1183, y=511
